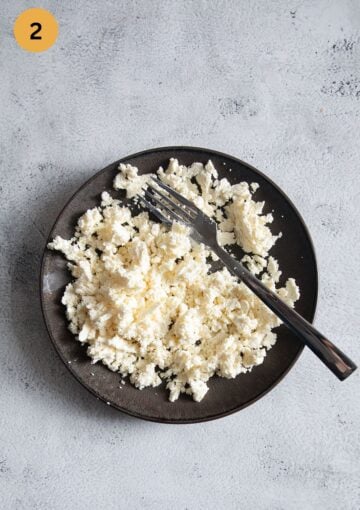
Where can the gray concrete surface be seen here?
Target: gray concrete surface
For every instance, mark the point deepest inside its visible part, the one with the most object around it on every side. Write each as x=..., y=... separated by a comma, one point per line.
x=276, y=83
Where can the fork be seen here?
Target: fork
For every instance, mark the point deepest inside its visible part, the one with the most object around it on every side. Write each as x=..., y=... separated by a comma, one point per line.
x=168, y=206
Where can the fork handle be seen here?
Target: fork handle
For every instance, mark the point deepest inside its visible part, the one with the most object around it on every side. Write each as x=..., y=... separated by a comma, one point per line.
x=329, y=354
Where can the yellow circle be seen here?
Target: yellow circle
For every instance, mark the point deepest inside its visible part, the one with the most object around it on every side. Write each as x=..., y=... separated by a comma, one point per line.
x=36, y=29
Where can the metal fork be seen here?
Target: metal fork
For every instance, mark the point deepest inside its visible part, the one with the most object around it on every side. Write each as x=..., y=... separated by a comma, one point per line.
x=169, y=206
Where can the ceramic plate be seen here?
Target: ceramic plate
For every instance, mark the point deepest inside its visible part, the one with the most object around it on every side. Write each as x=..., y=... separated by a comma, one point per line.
x=296, y=257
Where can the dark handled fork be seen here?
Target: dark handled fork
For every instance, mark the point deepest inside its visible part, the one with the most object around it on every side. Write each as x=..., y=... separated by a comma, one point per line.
x=169, y=206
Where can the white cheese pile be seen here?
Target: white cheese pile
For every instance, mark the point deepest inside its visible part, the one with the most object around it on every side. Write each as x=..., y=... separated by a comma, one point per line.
x=144, y=300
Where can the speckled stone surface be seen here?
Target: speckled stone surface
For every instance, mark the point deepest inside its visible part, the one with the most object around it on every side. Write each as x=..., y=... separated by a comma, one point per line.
x=275, y=83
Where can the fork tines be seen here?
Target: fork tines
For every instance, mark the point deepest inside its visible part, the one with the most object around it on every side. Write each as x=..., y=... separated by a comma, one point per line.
x=155, y=211
x=176, y=195
x=166, y=205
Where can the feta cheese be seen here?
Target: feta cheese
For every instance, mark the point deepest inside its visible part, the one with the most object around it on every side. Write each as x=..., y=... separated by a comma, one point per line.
x=143, y=297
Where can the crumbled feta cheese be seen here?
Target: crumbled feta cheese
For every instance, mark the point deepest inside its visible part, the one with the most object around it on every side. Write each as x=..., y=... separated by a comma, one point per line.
x=129, y=180
x=144, y=300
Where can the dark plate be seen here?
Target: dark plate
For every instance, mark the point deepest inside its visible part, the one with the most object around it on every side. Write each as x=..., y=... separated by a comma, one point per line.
x=294, y=251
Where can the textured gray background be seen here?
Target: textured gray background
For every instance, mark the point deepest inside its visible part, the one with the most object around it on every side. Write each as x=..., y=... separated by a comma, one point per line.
x=276, y=83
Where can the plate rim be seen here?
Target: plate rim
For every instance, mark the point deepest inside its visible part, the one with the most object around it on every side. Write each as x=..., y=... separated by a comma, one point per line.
x=177, y=421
